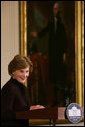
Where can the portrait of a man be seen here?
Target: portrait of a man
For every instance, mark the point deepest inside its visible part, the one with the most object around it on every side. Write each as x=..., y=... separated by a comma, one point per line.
x=51, y=35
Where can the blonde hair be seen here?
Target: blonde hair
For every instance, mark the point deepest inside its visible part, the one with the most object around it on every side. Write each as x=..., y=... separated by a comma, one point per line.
x=19, y=62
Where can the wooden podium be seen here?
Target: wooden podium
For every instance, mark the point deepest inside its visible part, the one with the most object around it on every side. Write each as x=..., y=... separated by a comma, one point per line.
x=46, y=113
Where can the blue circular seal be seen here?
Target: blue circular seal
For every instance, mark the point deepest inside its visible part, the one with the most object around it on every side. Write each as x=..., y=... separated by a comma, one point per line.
x=74, y=112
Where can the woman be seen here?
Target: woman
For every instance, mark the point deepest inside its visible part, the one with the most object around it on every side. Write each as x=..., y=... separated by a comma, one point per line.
x=14, y=94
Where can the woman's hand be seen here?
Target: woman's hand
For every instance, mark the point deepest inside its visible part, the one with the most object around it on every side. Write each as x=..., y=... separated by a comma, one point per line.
x=33, y=107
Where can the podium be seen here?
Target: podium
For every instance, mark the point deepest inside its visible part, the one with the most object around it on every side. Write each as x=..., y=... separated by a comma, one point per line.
x=46, y=113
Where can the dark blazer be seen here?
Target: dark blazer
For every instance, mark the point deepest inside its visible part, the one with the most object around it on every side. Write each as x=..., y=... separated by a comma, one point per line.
x=14, y=97
x=57, y=46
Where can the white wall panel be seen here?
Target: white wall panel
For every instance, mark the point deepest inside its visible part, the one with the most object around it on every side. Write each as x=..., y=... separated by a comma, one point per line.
x=9, y=36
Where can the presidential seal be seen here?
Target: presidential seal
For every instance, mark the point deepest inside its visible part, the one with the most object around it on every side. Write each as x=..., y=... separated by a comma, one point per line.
x=74, y=113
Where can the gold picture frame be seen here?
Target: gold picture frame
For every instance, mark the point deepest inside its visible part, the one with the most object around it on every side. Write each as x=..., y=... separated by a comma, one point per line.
x=79, y=45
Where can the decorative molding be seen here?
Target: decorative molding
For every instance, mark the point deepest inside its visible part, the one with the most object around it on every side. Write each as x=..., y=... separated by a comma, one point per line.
x=78, y=54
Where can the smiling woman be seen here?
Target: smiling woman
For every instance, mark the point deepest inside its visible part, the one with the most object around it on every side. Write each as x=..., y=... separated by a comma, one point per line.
x=21, y=71
x=14, y=94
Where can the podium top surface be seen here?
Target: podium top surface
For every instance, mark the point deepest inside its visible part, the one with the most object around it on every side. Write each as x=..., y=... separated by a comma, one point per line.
x=46, y=113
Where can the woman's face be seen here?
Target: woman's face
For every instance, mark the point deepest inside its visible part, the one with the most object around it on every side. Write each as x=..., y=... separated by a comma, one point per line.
x=21, y=75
